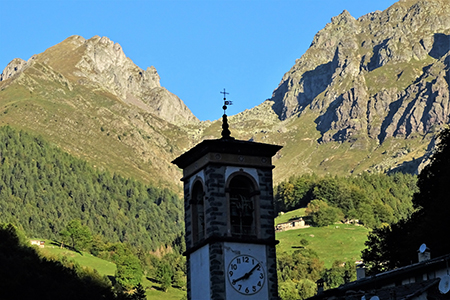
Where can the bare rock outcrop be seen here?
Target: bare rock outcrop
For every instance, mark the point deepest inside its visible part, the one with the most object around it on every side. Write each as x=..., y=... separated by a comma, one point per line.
x=13, y=68
x=383, y=75
x=101, y=63
x=105, y=63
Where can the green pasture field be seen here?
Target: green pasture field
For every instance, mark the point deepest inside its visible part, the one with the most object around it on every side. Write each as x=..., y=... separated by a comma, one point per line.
x=86, y=260
x=285, y=217
x=335, y=242
x=108, y=268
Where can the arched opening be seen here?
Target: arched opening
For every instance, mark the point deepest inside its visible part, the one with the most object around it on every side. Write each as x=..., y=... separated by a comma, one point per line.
x=198, y=212
x=242, y=206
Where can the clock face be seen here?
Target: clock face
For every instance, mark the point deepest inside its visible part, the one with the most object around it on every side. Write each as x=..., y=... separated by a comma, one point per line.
x=246, y=274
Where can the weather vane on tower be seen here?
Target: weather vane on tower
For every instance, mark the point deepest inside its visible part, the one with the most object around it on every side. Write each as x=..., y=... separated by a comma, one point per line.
x=225, y=101
x=226, y=134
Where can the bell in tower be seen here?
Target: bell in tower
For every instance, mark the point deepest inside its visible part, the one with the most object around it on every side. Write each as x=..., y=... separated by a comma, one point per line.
x=229, y=212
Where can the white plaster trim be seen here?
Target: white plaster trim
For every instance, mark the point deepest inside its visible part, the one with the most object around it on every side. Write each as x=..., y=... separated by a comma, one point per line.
x=200, y=174
x=200, y=280
x=250, y=171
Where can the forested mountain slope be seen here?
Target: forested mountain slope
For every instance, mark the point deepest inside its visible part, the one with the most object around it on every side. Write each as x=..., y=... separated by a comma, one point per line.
x=373, y=200
x=43, y=188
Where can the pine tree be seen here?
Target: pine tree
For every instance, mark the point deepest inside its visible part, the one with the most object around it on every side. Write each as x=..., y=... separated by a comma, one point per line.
x=139, y=293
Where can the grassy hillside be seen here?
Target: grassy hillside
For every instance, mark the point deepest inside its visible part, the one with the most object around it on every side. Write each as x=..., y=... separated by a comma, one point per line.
x=106, y=268
x=93, y=125
x=85, y=259
x=285, y=217
x=337, y=242
x=342, y=242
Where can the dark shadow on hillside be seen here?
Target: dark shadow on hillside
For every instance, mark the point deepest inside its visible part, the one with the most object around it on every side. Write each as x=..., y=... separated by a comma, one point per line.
x=407, y=167
x=441, y=45
x=112, y=279
x=153, y=280
x=324, y=121
x=158, y=288
x=374, y=63
x=155, y=287
x=392, y=111
x=65, y=246
x=297, y=247
x=24, y=274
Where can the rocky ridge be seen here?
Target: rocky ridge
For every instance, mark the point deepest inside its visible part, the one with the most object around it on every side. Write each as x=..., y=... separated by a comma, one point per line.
x=99, y=61
x=383, y=75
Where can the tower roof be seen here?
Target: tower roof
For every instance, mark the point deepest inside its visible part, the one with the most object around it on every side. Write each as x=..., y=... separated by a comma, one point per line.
x=225, y=146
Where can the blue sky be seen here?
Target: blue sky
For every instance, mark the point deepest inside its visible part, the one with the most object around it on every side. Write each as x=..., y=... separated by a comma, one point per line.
x=198, y=47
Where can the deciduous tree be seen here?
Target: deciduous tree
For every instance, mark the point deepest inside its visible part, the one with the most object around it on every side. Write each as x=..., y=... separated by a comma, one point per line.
x=77, y=235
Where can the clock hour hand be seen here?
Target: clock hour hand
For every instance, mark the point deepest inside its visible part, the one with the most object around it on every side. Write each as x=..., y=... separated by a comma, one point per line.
x=246, y=275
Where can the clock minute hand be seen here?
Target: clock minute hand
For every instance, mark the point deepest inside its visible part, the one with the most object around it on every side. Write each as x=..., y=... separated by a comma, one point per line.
x=252, y=270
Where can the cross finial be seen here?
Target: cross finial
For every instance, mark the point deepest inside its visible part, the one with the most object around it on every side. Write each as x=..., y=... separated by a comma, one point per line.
x=226, y=134
x=225, y=101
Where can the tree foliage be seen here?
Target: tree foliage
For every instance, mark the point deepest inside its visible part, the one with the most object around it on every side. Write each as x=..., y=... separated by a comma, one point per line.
x=297, y=273
x=128, y=271
x=322, y=214
x=340, y=273
x=394, y=246
x=164, y=275
x=42, y=189
x=372, y=199
x=139, y=293
x=76, y=235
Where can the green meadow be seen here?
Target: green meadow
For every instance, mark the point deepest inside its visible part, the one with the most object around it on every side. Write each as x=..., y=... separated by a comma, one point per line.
x=335, y=242
x=106, y=268
x=293, y=214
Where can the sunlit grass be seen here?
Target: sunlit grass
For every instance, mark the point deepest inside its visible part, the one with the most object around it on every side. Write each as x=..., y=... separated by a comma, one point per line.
x=335, y=242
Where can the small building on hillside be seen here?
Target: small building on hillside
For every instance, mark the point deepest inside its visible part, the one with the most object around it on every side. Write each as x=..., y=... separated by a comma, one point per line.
x=427, y=279
x=292, y=224
x=40, y=244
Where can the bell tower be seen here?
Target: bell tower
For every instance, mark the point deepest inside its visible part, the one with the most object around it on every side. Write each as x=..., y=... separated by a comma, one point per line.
x=229, y=212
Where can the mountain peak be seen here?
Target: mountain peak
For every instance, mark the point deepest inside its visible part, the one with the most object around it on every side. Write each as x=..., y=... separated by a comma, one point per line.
x=380, y=76
x=343, y=18
x=13, y=68
x=100, y=62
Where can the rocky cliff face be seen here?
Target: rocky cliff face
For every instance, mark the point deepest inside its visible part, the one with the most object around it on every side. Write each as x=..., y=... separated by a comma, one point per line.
x=101, y=62
x=383, y=75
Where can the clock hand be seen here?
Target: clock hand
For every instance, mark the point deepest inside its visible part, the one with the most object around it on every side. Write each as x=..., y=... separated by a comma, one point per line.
x=252, y=270
x=246, y=275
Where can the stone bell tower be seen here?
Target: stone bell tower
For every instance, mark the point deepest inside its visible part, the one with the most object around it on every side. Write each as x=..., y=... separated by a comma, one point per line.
x=229, y=212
